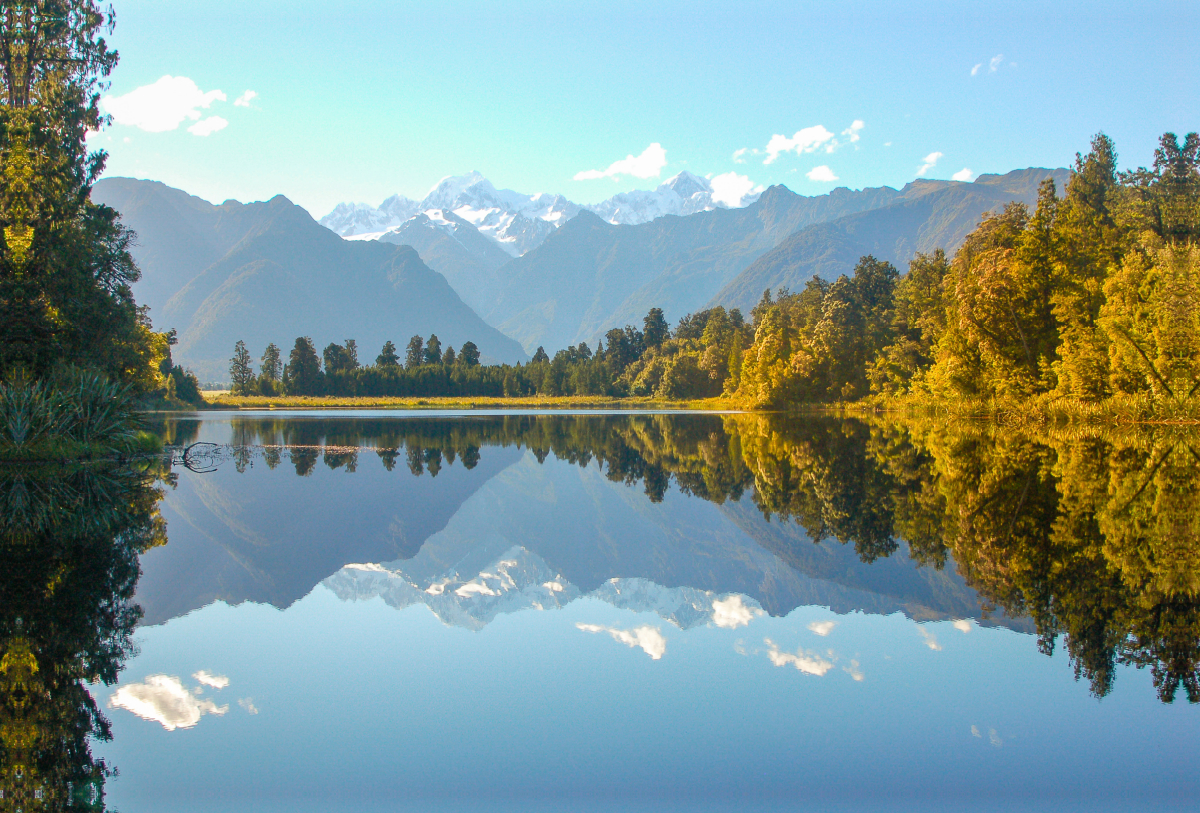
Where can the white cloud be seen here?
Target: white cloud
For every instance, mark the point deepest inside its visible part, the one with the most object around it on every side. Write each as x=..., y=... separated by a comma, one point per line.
x=731, y=189
x=209, y=679
x=647, y=165
x=853, y=671
x=853, y=130
x=732, y=613
x=994, y=738
x=810, y=139
x=975, y=731
x=808, y=662
x=208, y=126
x=822, y=628
x=161, y=106
x=245, y=99
x=929, y=162
x=737, y=154
x=822, y=174
x=248, y=704
x=930, y=640
x=993, y=65
x=650, y=639
x=962, y=625
x=163, y=699
x=965, y=174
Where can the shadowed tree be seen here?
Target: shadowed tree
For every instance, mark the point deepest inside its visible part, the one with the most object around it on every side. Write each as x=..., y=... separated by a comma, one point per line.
x=387, y=356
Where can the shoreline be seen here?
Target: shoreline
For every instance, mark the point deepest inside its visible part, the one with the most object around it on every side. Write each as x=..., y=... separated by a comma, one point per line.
x=290, y=403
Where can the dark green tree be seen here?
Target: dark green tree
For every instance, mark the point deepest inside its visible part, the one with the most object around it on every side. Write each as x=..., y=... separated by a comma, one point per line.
x=387, y=357
x=449, y=358
x=469, y=355
x=241, y=369
x=433, y=350
x=655, y=330
x=338, y=359
x=540, y=356
x=302, y=375
x=414, y=356
x=271, y=366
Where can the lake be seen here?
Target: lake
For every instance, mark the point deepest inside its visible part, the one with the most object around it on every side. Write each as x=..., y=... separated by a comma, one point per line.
x=345, y=611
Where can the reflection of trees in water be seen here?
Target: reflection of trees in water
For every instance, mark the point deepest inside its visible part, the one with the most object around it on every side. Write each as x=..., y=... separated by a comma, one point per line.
x=1093, y=535
x=69, y=544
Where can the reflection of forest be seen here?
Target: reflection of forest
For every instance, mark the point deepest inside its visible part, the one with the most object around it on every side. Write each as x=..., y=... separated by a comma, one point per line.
x=69, y=547
x=1091, y=534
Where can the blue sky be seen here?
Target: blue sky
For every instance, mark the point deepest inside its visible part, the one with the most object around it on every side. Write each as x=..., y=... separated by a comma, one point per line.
x=359, y=101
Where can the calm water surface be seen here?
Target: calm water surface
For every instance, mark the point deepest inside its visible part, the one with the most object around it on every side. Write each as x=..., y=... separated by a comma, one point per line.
x=358, y=611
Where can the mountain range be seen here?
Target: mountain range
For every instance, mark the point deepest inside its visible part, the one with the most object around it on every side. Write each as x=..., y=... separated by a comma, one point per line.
x=513, y=272
x=517, y=222
x=267, y=272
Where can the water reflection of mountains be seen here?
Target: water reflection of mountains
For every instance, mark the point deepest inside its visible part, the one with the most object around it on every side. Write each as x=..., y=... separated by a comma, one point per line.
x=1086, y=534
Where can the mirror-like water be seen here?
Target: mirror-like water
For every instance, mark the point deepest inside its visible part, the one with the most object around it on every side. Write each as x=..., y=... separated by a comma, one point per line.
x=629, y=611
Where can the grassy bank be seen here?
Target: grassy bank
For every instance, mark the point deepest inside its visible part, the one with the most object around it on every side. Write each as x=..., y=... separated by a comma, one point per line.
x=223, y=400
x=1124, y=410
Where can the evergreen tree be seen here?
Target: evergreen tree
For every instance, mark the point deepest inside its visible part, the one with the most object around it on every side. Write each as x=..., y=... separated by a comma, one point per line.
x=469, y=355
x=241, y=369
x=540, y=356
x=387, y=356
x=302, y=375
x=271, y=366
x=336, y=360
x=449, y=358
x=656, y=330
x=415, y=354
x=433, y=350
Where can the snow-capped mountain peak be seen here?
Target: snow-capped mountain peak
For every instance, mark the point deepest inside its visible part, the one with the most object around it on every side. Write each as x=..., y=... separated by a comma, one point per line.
x=517, y=222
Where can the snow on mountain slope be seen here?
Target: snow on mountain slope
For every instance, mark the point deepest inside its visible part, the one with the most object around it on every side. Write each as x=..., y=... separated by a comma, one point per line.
x=518, y=223
x=361, y=219
x=684, y=194
x=520, y=580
